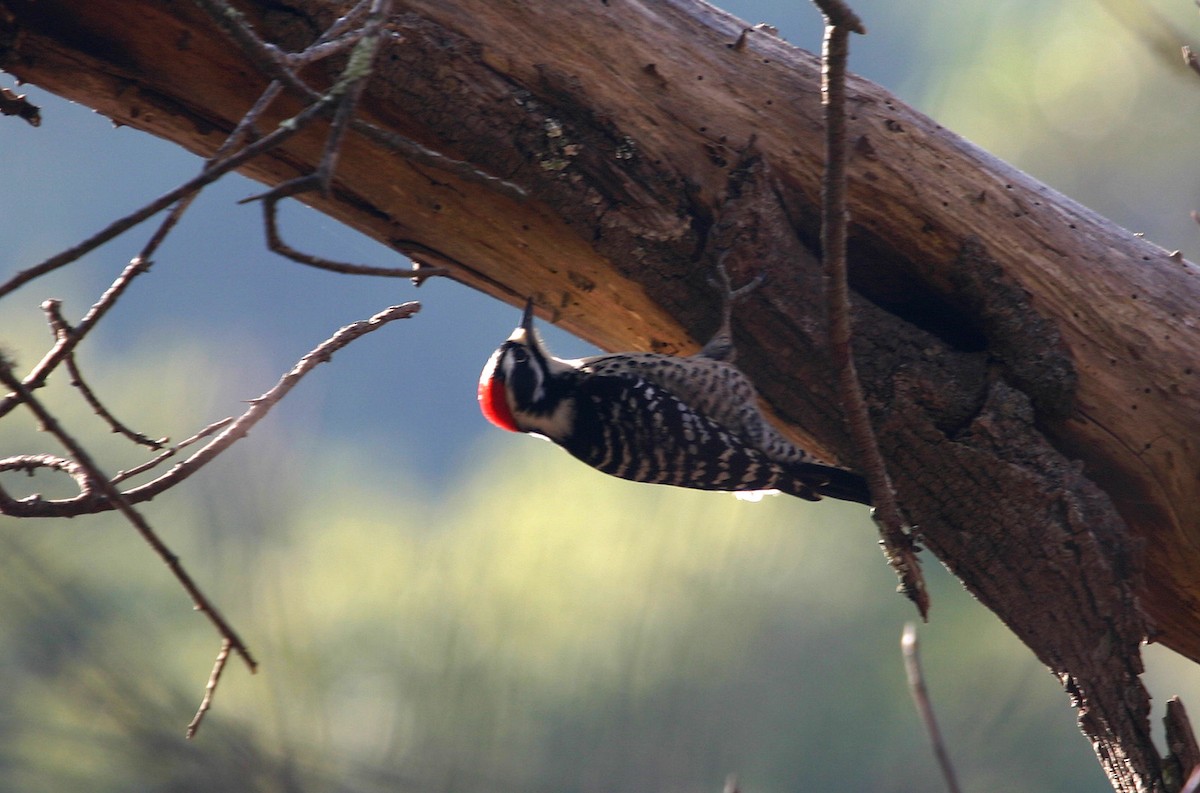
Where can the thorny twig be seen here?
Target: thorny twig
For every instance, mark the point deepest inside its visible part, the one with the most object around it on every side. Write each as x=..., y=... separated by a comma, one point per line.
x=62, y=328
x=361, y=29
x=346, y=94
x=178, y=199
x=104, y=413
x=102, y=493
x=275, y=64
x=171, y=451
x=224, y=161
x=67, y=342
x=210, y=688
x=117, y=501
x=898, y=544
x=92, y=502
x=920, y=694
x=30, y=463
x=209, y=175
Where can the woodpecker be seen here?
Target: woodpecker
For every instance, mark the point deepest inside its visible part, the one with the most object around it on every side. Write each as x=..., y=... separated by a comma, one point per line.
x=662, y=419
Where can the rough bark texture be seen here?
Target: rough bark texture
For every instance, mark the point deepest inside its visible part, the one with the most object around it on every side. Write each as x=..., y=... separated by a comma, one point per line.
x=1032, y=367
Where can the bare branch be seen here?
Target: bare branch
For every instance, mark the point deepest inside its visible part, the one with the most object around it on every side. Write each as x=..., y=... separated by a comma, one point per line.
x=62, y=329
x=898, y=543
x=323, y=48
x=209, y=175
x=347, y=91
x=345, y=31
x=839, y=15
x=117, y=500
x=94, y=402
x=87, y=503
x=30, y=463
x=121, y=476
x=920, y=694
x=66, y=342
x=210, y=688
x=276, y=65
x=275, y=242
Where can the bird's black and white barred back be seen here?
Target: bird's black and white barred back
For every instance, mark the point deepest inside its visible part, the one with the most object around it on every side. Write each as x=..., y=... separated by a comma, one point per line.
x=662, y=419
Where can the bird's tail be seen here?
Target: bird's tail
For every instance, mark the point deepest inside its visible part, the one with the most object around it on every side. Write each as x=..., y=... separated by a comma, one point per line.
x=813, y=481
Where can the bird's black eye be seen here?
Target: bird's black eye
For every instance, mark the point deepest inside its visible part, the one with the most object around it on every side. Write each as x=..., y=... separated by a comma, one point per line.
x=524, y=377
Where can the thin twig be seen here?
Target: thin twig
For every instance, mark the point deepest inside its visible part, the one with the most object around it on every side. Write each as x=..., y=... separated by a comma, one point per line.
x=66, y=342
x=171, y=451
x=30, y=463
x=276, y=243
x=62, y=328
x=84, y=504
x=210, y=688
x=920, y=695
x=898, y=543
x=267, y=58
x=348, y=90
x=337, y=38
x=839, y=15
x=139, y=264
x=345, y=94
x=275, y=64
x=117, y=500
x=98, y=408
x=37, y=378
x=279, y=135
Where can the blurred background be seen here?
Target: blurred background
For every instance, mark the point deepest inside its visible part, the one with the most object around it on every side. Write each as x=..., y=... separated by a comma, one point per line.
x=439, y=606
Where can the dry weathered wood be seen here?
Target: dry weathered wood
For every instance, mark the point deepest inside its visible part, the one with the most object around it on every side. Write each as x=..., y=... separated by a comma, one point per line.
x=1003, y=331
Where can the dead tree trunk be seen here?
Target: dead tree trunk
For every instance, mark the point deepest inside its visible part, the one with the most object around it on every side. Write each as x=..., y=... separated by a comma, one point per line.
x=1033, y=368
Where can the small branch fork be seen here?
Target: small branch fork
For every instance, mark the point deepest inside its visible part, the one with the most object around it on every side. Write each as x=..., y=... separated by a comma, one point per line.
x=98, y=492
x=359, y=33
x=88, y=467
x=899, y=548
x=94, y=498
x=345, y=94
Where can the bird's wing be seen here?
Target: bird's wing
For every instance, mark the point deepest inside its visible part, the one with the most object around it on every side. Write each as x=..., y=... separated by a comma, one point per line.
x=631, y=427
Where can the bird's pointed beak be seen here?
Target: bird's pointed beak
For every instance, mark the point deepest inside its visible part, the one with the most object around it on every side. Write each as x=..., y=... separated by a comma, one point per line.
x=523, y=333
x=527, y=317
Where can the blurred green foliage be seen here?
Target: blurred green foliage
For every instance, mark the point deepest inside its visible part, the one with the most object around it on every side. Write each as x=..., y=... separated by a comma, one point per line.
x=545, y=628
